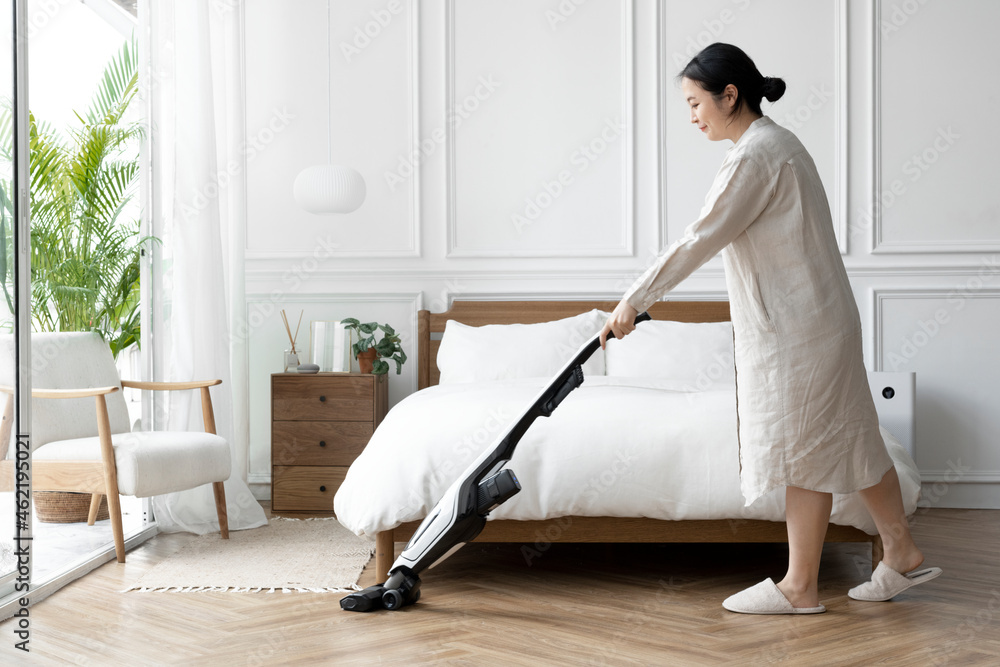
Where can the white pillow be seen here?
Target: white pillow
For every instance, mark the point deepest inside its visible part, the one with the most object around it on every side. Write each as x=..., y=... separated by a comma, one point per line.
x=699, y=355
x=509, y=351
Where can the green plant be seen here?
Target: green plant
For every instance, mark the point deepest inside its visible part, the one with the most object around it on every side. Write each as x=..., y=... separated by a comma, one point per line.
x=84, y=255
x=387, y=347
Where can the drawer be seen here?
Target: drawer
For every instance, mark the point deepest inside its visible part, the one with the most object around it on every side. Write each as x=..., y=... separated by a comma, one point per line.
x=318, y=443
x=312, y=398
x=305, y=488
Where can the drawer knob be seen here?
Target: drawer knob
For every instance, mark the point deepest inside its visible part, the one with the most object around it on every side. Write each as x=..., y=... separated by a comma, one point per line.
x=322, y=443
x=322, y=488
x=322, y=399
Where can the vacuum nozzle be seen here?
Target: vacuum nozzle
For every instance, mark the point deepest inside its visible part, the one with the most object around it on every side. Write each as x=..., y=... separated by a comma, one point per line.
x=401, y=589
x=366, y=600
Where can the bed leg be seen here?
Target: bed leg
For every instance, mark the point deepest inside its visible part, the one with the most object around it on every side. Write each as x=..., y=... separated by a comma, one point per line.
x=384, y=554
x=876, y=551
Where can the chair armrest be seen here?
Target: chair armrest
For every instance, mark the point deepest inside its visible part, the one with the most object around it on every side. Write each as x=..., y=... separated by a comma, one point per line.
x=64, y=393
x=206, y=396
x=169, y=386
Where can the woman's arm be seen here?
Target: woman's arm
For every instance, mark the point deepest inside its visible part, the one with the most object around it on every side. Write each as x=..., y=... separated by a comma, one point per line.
x=741, y=192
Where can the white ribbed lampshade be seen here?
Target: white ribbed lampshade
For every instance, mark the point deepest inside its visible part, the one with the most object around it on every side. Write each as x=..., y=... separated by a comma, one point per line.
x=329, y=188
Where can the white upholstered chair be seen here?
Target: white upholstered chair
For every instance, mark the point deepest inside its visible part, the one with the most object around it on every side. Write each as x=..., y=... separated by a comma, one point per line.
x=82, y=441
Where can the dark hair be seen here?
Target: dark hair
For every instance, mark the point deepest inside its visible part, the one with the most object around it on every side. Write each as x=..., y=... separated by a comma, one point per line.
x=718, y=65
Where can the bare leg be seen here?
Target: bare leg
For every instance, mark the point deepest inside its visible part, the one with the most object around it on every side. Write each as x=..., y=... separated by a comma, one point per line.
x=807, y=514
x=885, y=503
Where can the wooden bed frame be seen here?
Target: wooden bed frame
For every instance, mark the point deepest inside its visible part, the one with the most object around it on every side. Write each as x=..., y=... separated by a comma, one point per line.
x=430, y=326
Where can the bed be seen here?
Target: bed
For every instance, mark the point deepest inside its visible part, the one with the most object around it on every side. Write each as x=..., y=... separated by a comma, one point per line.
x=644, y=451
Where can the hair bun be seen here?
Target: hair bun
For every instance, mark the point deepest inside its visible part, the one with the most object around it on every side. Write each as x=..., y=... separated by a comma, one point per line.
x=772, y=88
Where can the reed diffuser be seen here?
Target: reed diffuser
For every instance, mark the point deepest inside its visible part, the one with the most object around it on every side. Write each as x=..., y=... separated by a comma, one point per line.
x=291, y=355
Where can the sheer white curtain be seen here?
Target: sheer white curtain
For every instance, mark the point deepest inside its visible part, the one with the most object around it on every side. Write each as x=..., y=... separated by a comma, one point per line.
x=195, y=94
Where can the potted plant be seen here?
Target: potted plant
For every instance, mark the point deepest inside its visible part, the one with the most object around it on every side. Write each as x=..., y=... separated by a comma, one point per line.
x=369, y=352
x=85, y=247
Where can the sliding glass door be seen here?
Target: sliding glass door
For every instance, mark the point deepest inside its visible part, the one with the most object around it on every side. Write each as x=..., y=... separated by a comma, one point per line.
x=15, y=517
x=70, y=262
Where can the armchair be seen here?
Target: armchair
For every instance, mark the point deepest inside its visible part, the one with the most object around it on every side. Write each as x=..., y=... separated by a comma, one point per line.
x=82, y=441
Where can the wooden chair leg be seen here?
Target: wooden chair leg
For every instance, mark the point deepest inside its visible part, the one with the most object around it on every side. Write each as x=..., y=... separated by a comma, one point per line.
x=385, y=554
x=110, y=477
x=208, y=415
x=95, y=507
x=220, y=507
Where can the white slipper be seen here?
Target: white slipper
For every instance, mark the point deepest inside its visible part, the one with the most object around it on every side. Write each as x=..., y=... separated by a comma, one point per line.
x=765, y=598
x=886, y=583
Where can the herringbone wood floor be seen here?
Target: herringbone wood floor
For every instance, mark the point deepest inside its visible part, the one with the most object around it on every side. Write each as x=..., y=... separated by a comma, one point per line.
x=573, y=605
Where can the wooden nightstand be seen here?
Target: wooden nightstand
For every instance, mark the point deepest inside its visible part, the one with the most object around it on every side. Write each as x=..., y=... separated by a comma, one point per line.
x=319, y=425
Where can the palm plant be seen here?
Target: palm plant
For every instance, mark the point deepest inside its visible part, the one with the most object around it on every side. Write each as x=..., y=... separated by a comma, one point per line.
x=84, y=252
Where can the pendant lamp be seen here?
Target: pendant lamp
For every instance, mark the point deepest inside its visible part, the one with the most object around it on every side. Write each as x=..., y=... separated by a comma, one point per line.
x=326, y=189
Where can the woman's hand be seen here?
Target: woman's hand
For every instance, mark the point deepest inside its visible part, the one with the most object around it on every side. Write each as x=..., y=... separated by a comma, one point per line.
x=621, y=323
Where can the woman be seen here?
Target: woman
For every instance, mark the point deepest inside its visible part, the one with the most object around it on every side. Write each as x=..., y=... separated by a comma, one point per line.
x=805, y=417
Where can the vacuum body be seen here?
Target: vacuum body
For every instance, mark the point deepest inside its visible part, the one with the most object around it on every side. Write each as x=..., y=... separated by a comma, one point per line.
x=484, y=485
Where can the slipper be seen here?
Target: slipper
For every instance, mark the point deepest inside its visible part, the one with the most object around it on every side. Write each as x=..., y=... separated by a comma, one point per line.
x=886, y=583
x=765, y=598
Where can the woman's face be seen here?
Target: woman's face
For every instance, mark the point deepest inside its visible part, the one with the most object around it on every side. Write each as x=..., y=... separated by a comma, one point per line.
x=710, y=115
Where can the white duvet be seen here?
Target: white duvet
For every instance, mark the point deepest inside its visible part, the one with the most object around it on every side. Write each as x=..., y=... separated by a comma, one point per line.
x=617, y=446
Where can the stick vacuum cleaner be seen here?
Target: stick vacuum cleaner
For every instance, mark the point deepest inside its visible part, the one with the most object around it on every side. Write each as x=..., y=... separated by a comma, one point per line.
x=461, y=513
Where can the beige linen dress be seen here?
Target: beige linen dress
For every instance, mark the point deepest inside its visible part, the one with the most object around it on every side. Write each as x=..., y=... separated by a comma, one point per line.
x=805, y=415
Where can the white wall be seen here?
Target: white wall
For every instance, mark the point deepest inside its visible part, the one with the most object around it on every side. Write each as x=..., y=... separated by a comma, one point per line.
x=553, y=159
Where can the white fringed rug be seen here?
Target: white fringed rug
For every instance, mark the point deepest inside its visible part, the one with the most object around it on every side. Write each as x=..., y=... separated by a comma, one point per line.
x=287, y=555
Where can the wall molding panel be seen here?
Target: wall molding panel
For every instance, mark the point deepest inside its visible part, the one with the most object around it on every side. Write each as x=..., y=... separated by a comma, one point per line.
x=934, y=331
x=882, y=295
x=884, y=195
x=327, y=241
x=626, y=244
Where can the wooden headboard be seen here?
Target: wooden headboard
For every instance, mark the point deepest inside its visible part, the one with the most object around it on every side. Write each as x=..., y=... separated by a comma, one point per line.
x=430, y=325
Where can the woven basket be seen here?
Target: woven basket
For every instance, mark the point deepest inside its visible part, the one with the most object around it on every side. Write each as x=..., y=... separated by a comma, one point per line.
x=66, y=507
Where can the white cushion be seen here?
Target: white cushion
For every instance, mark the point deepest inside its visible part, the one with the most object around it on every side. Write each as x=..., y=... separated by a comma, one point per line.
x=151, y=463
x=67, y=361
x=510, y=351
x=698, y=355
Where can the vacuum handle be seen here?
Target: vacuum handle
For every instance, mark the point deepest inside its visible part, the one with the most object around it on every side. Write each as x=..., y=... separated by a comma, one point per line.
x=641, y=317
